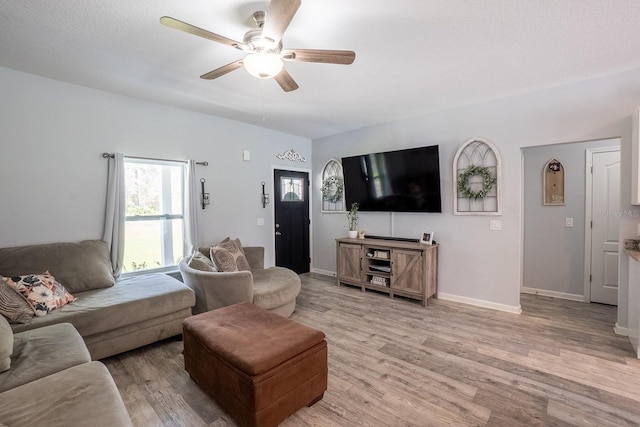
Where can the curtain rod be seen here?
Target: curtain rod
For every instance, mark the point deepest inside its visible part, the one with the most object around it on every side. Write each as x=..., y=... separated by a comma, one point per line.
x=111, y=156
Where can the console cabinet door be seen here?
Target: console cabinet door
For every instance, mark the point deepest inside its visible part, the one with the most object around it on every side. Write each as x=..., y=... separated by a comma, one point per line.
x=407, y=271
x=349, y=259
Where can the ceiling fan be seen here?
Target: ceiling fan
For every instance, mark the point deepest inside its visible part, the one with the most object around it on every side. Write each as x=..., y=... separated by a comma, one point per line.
x=264, y=46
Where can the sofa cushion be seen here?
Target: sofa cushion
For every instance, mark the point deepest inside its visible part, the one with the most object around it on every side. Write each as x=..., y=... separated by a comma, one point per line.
x=79, y=396
x=78, y=266
x=229, y=257
x=255, y=256
x=133, y=299
x=43, y=351
x=14, y=306
x=6, y=344
x=42, y=291
x=274, y=286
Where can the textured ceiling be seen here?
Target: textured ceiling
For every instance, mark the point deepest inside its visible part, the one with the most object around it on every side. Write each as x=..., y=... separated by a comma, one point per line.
x=412, y=56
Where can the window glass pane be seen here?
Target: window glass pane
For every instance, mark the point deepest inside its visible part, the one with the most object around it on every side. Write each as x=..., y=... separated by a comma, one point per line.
x=153, y=189
x=292, y=189
x=145, y=240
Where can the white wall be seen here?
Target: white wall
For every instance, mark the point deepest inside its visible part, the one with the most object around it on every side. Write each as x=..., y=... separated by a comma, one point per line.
x=547, y=242
x=53, y=179
x=476, y=264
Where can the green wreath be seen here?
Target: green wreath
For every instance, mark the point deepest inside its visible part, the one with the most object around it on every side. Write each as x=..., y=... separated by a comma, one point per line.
x=488, y=182
x=328, y=186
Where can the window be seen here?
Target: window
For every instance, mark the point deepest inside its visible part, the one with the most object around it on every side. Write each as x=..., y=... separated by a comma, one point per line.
x=154, y=216
x=292, y=189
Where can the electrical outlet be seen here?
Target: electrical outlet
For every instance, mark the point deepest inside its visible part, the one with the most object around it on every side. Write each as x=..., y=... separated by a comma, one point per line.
x=568, y=222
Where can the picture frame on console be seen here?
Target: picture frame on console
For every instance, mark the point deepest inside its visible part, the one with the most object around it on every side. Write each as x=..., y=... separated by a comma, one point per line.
x=427, y=237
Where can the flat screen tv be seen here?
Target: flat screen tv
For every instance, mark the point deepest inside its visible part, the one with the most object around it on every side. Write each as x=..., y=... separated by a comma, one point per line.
x=394, y=181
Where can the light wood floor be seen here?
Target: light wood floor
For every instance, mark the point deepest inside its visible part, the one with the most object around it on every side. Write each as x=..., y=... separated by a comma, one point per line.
x=396, y=363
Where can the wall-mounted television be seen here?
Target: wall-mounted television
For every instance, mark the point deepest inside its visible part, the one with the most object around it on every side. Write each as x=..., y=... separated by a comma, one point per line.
x=394, y=181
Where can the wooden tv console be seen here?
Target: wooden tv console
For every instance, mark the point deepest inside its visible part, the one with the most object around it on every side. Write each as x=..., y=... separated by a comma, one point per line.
x=406, y=269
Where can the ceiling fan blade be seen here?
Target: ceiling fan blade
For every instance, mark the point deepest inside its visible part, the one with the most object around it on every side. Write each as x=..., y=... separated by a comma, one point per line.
x=345, y=57
x=285, y=81
x=278, y=18
x=197, y=31
x=222, y=70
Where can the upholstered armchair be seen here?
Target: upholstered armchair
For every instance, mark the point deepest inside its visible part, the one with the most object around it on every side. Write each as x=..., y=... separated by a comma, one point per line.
x=274, y=289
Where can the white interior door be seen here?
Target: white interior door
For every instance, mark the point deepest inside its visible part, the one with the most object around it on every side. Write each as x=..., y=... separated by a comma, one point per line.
x=605, y=216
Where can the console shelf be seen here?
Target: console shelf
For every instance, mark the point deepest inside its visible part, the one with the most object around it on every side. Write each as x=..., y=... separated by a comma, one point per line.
x=393, y=267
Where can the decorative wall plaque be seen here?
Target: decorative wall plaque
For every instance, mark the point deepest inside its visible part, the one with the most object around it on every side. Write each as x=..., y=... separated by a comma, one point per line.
x=291, y=155
x=332, y=187
x=476, y=179
x=553, y=182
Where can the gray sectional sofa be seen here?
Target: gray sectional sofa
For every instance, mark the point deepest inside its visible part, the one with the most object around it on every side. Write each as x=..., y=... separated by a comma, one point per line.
x=47, y=378
x=112, y=316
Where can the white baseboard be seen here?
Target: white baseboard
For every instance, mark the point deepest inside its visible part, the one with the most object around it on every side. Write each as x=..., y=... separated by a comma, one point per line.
x=619, y=330
x=325, y=272
x=553, y=294
x=481, y=303
x=450, y=297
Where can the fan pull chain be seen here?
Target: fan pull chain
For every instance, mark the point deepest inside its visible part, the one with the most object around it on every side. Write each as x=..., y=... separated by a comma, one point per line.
x=264, y=119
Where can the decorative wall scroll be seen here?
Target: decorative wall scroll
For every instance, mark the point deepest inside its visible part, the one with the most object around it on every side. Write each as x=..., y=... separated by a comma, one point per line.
x=553, y=183
x=477, y=179
x=291, y=155
x=332, y=187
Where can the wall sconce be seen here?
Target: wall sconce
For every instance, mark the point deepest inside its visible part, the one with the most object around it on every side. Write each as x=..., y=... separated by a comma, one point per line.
x=265, y=196
x=205, y=196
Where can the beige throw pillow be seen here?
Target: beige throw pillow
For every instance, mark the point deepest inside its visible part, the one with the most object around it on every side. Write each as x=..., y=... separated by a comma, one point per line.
x=13, y=305
x=239, y=244
x=228, y=257
x=200, y=262
x=6, y=344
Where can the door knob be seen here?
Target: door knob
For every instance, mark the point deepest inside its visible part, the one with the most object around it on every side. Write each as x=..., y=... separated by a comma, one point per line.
x=278, y=233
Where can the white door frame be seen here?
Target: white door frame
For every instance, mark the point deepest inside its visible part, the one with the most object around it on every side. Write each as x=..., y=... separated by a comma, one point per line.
x=588, y=215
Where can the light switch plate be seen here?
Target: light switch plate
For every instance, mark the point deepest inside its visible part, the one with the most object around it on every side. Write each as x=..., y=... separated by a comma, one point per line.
x=495, y=224
x=568, y=222
x=260, y=221
x=246, y=155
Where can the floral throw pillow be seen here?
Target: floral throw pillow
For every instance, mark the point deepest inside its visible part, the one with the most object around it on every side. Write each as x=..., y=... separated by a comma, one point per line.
x=42, y=291
x=229, y=257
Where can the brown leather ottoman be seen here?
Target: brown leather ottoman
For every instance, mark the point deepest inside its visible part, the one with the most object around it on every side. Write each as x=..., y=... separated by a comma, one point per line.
x=260, y=367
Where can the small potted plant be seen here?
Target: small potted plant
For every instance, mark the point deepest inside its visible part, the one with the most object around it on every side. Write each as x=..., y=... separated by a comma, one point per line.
x=352, y=219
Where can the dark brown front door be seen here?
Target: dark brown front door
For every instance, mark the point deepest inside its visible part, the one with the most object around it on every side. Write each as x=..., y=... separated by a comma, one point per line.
x=292, y=220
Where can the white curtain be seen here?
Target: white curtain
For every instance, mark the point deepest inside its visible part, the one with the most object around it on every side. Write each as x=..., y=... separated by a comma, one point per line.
x=114, y=217
x=191, y=203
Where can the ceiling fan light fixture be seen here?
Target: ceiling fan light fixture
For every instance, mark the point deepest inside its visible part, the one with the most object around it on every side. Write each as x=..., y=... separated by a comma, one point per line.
x=263, y=46
x=263, y=65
